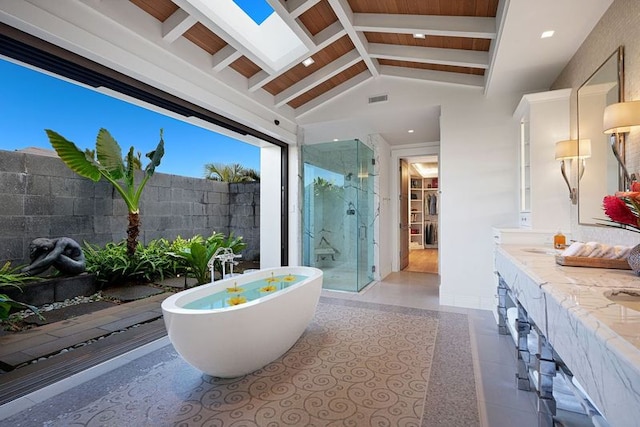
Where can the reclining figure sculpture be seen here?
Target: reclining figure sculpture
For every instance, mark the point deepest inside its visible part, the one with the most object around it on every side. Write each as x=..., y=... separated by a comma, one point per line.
x=63, y=253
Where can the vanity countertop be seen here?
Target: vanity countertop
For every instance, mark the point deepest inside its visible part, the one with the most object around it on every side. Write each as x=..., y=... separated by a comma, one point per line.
x=598, y=339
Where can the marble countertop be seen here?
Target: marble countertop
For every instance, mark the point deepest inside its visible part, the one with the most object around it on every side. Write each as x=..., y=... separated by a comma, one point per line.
x=598, y=339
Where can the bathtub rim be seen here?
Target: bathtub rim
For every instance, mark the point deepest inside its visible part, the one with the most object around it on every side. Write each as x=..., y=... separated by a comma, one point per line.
x=170, y=304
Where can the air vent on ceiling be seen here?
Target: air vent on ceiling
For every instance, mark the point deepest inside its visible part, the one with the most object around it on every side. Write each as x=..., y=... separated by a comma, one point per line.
x=378, y=98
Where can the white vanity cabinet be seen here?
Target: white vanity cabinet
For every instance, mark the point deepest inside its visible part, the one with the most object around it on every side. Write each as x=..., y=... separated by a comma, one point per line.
x=577, y=349
x=543, y=120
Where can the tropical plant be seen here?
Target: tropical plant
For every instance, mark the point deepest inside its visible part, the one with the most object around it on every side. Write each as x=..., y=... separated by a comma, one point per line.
x=107, y=161
x=324, y=186
x=253, y=174
x=234, y=243
x=198, y=252
x=6, y=304
x=158, y=259
x=111, y=264
x=12, y=277
x=234, y=172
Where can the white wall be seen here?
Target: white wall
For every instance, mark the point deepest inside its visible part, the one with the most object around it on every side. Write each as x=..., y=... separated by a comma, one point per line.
x=619, y=26
x=479, y=190
x=478, y=164
x=295, y=205
x=270, y=206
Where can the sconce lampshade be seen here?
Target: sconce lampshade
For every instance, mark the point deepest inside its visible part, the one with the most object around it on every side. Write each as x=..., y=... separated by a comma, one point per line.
x=569, y=149
x=618, y=118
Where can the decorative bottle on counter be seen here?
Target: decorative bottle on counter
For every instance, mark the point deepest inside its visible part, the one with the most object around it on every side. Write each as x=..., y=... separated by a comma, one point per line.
x=559, y=241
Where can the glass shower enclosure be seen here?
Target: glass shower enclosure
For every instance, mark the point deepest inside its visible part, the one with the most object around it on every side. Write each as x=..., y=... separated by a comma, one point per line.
x=337, y=220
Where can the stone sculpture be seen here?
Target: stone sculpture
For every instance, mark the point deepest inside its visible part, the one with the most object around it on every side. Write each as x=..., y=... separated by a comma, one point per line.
x=63, y=253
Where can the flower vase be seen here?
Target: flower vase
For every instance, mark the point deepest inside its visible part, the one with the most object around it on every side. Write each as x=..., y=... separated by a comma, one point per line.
x=634, y=259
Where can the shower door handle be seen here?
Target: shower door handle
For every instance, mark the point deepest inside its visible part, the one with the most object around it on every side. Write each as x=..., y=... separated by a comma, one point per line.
x=362, y=232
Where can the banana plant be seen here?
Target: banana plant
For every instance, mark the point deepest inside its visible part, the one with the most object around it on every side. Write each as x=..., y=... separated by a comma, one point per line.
x=106, y=161
x=197, y=255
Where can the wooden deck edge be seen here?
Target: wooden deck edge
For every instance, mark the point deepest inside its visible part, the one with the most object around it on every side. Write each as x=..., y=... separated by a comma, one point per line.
x=28, y=379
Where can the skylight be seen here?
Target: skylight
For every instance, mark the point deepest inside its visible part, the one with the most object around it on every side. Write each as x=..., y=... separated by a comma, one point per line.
x=258, y=10
x=269, y=42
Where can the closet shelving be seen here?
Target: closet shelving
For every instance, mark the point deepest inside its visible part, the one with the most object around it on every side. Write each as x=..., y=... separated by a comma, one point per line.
x=423, y=213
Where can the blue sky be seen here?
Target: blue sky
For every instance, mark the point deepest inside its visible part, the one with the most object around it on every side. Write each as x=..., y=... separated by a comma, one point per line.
x=32, y=102
x=258, y=10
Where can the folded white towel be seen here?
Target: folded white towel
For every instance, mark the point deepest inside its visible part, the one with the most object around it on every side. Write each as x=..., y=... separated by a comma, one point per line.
x=588, y=248
x=622, y=252
x=608, y=252
x=597, y=251
x=573, y=250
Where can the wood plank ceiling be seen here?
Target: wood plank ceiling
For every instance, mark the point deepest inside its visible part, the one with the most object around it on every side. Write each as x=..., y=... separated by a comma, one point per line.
x=350, y=42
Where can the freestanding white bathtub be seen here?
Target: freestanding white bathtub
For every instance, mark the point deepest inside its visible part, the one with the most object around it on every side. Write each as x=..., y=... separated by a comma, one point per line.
x=233, y=341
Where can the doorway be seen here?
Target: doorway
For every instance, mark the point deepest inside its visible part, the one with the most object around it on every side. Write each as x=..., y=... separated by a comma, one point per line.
x=419, y=210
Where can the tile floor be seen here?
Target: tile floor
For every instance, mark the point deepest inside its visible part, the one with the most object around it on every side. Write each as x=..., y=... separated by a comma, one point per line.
x=499, y=402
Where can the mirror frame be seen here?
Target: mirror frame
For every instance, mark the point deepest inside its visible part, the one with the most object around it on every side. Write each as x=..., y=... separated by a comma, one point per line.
x=619, y=55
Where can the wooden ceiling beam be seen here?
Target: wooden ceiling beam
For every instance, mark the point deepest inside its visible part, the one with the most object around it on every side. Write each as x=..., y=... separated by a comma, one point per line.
x=225, y=57
x=433, y=76
x=345, y=15
x=430, y=55
x=298, y=7
x=217, y=30
x=320, y=76
x=323, y=39
x=452, y=26
x=293, y=23
x=176, y=25
x=334, y=92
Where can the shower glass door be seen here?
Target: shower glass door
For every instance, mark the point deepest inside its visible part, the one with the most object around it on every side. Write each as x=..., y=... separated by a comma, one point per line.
x=365, y=215
x=337, y=213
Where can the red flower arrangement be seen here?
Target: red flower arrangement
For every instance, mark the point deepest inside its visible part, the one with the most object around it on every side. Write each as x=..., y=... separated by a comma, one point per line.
x=624, y=207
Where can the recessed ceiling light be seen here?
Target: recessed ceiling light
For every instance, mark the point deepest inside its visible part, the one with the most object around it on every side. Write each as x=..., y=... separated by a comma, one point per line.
x=419, y=36
x=335, y=139
x=410, y=131
x=547, y=34
x=308, y=61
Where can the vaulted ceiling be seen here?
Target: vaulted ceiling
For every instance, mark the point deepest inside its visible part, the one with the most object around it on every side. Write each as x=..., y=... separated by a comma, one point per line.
x=484, y=46
x=350, y=41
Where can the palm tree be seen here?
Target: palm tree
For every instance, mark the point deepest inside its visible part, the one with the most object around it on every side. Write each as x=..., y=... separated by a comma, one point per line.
x=253, y=174
x=234, y=172
x=109, y=164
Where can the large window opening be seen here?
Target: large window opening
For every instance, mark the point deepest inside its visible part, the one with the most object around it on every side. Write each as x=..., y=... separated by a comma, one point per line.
x=85, y=96
x=36, y=101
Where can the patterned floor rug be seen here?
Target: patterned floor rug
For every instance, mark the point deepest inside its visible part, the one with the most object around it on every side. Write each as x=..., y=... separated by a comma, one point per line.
x=357, y=364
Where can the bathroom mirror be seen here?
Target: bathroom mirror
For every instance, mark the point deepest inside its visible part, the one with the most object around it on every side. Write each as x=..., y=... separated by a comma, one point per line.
x=602, y=174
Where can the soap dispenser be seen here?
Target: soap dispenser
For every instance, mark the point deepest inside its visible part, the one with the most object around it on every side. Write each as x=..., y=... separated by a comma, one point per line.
x=559, y=241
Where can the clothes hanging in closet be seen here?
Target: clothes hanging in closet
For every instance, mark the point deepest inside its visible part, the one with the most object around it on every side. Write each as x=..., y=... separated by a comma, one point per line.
x=431, y=204
x=430, y=234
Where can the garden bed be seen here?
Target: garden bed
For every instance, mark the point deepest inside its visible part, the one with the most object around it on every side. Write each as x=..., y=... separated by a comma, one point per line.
x=52, y=290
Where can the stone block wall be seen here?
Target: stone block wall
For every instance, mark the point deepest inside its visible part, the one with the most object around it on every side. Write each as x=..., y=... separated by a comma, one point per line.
x=244, y=216
x=41, y=197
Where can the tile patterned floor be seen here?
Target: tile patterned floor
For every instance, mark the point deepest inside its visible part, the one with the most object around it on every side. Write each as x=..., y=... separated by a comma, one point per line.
x=499, y=402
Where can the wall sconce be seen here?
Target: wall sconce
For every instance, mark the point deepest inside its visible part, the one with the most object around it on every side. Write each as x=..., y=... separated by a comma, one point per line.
x=569, y=150
x=618, y=120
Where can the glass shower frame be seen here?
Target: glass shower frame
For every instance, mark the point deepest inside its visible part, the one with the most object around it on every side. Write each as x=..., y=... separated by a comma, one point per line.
x=338, y=213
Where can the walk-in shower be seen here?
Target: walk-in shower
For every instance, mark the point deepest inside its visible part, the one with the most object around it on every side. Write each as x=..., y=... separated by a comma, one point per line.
x=337, y=220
